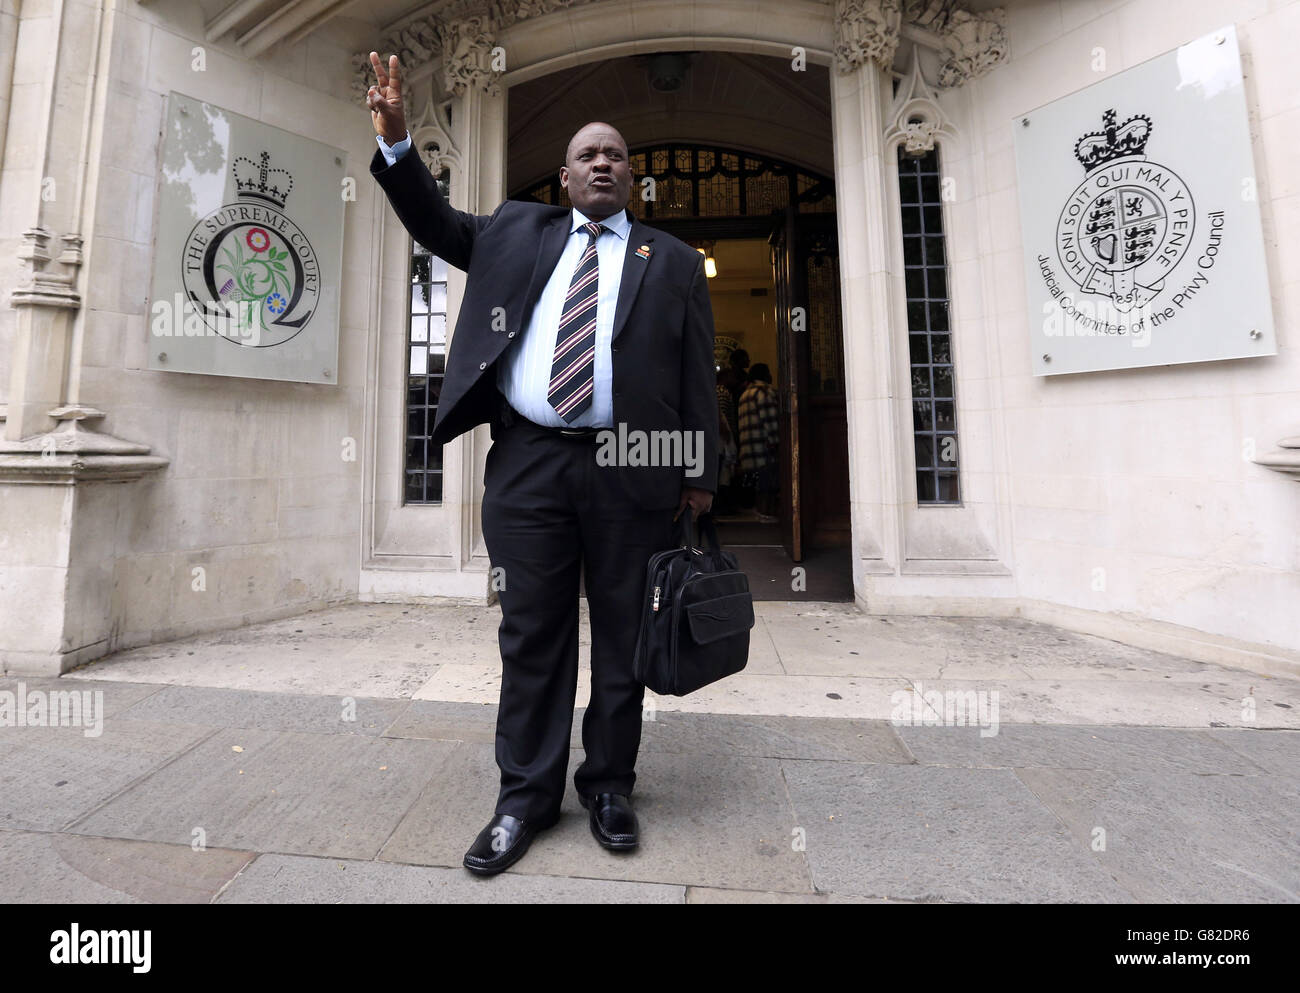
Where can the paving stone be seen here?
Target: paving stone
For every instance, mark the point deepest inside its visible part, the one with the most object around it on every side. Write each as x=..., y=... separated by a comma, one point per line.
x=1274, y=751
x=710, y=894
x=712, y=821
x=116, y=696
x=70, y=868
x=851, y=645
x=1198, y=801
x=671, y=731
x=773, y=737
x=927, y=833
x=446, y=721
x=1184, y=837
x=855, y=697
x=300, y=879
x=455, y=721
x=50, y=776
x=1121, y=749
x=286, y=791
x=325, y=666
x=1148, y=704
x=269, y=711
x=480, y=683
x=763, y=656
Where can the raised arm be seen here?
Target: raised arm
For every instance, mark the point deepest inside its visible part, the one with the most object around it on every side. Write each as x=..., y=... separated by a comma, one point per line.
x=418, y=202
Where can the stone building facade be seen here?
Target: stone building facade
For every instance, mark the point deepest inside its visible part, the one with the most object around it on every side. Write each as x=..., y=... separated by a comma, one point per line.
x=1154, y=506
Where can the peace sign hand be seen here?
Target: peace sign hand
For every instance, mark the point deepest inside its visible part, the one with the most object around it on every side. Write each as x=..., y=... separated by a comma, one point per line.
x=385, y=100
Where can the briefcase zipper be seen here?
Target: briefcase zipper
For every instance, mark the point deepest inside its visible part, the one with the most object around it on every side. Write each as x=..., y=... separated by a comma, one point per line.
x=655, y=606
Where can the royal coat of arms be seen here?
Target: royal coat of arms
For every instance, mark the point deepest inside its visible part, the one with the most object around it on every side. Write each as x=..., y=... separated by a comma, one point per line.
x=1129, y=222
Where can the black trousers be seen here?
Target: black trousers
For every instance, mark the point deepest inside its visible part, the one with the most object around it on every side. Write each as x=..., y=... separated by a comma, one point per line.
x=548, y=511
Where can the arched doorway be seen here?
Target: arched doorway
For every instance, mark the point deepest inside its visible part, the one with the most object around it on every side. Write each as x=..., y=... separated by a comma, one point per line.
x=770, y=223
x=496, y=133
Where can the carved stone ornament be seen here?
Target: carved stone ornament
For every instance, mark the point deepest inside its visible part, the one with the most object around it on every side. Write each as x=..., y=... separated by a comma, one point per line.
x=73, y=453
x=462, y=36
x=915, y=117
x=418, y=43
x=464, y=33
x=969, y=44
x=866, y=31
x=431, y=137
x=504, y=13
x=467, y=54
x=974, y=45
x=44, y=287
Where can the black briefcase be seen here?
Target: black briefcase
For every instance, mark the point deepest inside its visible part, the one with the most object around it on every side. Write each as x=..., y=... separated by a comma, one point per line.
x=696, y=615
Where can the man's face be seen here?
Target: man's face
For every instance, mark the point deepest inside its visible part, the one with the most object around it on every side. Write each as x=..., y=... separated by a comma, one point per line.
x=596, y=171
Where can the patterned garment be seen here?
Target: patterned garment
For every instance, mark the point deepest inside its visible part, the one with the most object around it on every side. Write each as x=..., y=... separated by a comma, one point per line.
x=727, y=407
x=759, y=426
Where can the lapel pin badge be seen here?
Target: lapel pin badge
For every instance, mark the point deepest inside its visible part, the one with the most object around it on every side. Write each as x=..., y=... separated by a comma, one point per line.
x=643, y=252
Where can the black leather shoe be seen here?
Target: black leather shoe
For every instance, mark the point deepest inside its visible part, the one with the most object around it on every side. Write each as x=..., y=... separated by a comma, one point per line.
x=613, y=822
x=502, y=843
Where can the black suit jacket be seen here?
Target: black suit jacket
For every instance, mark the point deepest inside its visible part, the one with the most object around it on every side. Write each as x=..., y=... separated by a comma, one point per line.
x=662, y=339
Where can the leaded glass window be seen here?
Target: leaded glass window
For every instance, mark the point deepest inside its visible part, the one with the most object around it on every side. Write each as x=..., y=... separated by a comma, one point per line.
x=426, y=363
x=929, y=338
x=707, y=181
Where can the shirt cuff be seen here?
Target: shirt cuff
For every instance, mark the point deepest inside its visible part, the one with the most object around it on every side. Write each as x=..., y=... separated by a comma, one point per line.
x=395, y=151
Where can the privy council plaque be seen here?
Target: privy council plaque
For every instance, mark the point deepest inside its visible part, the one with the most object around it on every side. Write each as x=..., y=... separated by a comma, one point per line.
x=1139, y=214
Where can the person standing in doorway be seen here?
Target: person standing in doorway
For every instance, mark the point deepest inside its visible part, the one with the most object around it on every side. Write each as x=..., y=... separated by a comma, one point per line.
x=574, y=323
x=728, y=446
x=760, y=440
x=739, y=363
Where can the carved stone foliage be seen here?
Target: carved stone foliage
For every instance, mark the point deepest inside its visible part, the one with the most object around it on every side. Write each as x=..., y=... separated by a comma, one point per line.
x=866, y=31
x=463, y=36
x=973, y=46
x=869, y=30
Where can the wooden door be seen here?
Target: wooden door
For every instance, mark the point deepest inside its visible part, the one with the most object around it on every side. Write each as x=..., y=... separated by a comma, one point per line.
x=791, y=374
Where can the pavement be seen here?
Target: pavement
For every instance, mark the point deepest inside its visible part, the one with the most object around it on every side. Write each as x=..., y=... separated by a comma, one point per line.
x=346, y=755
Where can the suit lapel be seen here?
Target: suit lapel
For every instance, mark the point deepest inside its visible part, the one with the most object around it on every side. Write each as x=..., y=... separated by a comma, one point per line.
x=634, y=267
x=548, y=256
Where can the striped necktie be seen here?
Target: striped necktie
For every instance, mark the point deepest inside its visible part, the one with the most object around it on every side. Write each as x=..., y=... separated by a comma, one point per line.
x=573, y=365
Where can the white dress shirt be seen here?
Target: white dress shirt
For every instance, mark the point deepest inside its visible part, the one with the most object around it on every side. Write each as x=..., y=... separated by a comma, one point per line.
x=524, y=370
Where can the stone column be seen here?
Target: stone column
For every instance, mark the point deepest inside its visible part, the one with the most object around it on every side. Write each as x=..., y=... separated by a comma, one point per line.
x=59, y=479
x=481, y=133
x=457, y=122
x=866, y=35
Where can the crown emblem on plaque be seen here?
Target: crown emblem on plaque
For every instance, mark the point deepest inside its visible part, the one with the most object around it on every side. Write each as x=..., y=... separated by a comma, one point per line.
x=257, y=179
x=1114, y=141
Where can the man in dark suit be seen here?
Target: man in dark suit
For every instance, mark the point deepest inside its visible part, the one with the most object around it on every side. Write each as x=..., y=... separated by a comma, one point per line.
x=585, y=339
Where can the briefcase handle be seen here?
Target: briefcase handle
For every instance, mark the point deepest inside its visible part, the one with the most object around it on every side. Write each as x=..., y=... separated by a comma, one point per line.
x=699, y=531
